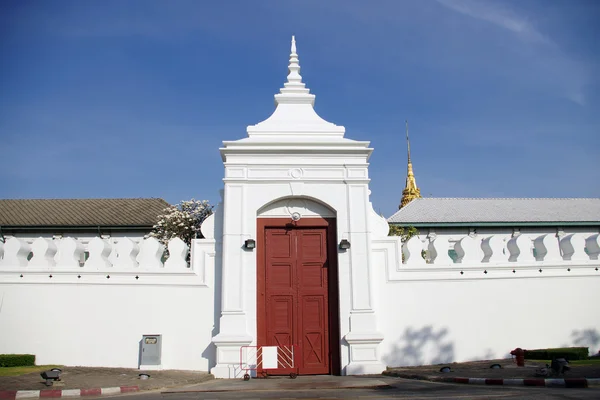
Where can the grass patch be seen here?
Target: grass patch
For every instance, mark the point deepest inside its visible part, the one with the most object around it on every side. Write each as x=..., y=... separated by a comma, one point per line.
x=16, y=371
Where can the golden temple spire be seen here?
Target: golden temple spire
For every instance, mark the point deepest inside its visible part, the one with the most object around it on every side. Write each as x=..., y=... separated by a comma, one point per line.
x=411, y=191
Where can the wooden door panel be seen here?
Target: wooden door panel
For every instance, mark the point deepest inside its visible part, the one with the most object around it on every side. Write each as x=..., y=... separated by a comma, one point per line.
x=281, y=314
x=296, y=291
x=280, y=244
x=280, y=277
x=313, y=343
x=311, y=276
x=312, y=245
x=312, y=292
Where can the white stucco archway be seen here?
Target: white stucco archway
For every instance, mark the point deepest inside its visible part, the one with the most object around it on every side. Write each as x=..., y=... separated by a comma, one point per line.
x=303, y=207
x=295, y=160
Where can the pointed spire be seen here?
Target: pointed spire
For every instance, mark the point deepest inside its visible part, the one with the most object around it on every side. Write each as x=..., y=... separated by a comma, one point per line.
x=294, y=114
x=294, y=79
x=294, y=85
x=411, y=191
x=407, y=141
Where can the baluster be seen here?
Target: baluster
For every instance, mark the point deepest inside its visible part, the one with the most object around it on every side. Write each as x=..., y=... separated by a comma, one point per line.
x=70, y=251
x=112, y=257
x=411, y=250
x=493, y=249
x=438, y=251
x=43, y=253
x=546, y=248
x=468, y=250
x=520, y=249
x=573, y=246
x=178, y=251
x=127, y=251
x=99, y=250
x=593, y=246
x=151, y=252
x=15, y=253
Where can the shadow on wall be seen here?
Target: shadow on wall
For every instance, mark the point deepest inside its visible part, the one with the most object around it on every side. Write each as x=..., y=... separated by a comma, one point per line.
x=587, y=338
x=420, y=347
x=210, y=352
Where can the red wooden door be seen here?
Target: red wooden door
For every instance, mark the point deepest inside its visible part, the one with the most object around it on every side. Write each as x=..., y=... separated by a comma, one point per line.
x=297, y=296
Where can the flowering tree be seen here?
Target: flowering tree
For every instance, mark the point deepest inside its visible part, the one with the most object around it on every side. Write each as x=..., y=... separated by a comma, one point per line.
x=182, y=220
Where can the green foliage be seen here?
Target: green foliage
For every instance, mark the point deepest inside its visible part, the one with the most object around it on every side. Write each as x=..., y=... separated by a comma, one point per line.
x=570, y=353
x=16, y=371
x=16, y=360
x=405, y=232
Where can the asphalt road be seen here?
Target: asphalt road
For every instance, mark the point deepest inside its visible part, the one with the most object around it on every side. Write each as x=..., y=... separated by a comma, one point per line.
x=399, y=389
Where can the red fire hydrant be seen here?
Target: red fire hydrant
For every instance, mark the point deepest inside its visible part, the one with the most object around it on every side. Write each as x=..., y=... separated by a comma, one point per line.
x=519, y=353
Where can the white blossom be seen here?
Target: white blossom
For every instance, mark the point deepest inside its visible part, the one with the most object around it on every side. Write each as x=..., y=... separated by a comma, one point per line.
x=182, y=220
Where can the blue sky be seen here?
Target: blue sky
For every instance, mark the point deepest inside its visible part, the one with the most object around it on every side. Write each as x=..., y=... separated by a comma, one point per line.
x=133, y=98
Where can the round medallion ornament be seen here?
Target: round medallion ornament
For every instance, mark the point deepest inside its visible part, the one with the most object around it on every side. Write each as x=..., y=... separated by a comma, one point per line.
x=296, y=173
x=296, y=216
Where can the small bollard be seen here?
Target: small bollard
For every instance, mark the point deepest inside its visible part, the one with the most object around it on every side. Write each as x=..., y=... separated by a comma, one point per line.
x=51, y=376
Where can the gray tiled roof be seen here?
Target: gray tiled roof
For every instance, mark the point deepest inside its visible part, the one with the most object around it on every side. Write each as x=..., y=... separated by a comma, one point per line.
x=498, y=210
x=81, y=212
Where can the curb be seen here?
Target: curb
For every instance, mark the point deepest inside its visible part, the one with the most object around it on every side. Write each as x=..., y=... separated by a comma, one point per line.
x=563, y=383
x=52, y=393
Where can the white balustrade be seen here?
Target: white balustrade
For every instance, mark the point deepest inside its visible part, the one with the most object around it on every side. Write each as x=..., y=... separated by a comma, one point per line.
x=438, y=251
x=15, y=253
x=69, y=253
x=126, y=254
x=66, y=253
x=593, y=246
x=493, y=250
x=546, y=248
x=411, y=250
x=178, y=251
x=99, y=250
x=573, y=246
x=468, y=250
x=520, y=250
x=151, y=252
x=44, y=251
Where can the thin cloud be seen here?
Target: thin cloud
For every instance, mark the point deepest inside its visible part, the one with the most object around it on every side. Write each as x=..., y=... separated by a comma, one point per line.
x=498, y=16
x=554, y=68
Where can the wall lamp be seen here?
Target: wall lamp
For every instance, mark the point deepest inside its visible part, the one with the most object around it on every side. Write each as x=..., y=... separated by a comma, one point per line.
x=344, y=244
x=250, y=244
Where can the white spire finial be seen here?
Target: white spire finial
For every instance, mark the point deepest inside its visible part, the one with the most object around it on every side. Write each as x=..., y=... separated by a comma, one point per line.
x=294, y=80
x=294, y=91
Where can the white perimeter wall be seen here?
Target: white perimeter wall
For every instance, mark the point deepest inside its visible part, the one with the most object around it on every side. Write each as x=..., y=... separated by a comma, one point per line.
x=432, y=314
x=95, y=315
x=441, y=321
x=102, y=325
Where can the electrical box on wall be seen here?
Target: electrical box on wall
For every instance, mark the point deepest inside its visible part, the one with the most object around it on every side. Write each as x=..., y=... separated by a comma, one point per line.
x=150, y=352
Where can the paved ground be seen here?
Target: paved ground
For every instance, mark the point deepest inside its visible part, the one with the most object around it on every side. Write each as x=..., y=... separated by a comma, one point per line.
x=89, y=378
x=306, y=387
x=180, y=385
x=284, y=383
x=481, y=369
